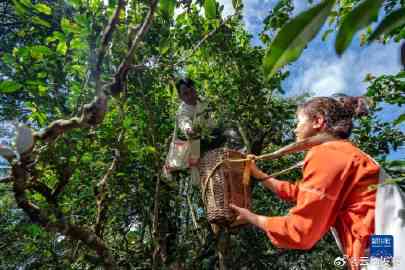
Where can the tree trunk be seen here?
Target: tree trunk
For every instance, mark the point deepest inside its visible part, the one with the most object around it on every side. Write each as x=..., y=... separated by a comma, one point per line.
x=223, y=243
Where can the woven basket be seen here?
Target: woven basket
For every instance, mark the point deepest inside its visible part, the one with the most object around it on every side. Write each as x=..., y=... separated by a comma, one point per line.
x=225, y=185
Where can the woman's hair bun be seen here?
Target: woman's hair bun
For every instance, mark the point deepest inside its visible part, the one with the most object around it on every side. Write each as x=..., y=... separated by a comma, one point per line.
x=355, y=106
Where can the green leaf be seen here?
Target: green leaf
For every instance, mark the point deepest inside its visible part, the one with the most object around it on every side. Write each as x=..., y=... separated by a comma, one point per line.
x=265, y=38
x=361, y=16
x=75, y=3
x=326, y=34
x=20, y=9
x=39, y=117
x=43, y=8
x=87, y=157
x=127, y=123
x=289, y=43
x=210, y=9
x=390, y=22
x=39, y=51
x=82, y=20
x=9, y=86
x=68, y=26
x=42, y=75
x=236, y=4
x=61, y=48
x=56, y=36
x=8, y=59
x=34, y=230
x=42, y=90
x=149, y=149
x=79, y=69
x=94, y=4
x=78, y=44
x=38, y=20
x=167, y=7
x=26, y=3
x=400, y=119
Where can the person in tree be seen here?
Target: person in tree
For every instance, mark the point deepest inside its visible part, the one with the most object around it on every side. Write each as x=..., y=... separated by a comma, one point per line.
x=186, y=118
x=195, y=123
x=334, y=191
x=190, y=105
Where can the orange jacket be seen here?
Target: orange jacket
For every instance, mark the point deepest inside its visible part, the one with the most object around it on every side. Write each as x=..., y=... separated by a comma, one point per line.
x=333, y=192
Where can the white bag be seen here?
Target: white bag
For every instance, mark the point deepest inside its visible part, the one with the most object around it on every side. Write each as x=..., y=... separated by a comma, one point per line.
x=178, y=155
x=390, y=218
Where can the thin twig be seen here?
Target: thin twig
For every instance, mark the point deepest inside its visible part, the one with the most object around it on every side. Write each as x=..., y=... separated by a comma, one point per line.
x=201, y=42
x=245, y=137
x=64, y=180
x=194, y=218
x=103, y=196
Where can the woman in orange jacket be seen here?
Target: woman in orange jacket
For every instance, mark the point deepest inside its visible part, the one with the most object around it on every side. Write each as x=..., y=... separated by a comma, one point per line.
x=334, y=190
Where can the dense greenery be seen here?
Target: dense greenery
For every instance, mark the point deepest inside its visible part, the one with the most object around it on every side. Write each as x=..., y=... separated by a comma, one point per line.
x=90, y=192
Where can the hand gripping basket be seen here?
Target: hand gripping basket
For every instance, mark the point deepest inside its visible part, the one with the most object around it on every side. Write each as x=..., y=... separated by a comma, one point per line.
x=222, y=185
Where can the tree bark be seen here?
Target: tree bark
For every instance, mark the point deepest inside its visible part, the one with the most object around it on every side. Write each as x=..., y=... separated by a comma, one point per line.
x=223, y=243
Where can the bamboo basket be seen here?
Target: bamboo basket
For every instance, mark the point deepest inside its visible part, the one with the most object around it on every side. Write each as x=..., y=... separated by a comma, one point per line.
x=222, y=185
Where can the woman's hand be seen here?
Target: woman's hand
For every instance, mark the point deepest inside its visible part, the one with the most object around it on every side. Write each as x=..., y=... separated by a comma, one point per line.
x=189, y=132
x=243, y=214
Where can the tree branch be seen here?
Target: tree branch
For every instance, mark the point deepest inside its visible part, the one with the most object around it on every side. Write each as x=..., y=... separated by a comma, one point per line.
x=105, y=40
x=37, y=215
x=102, y=192
x=116, y=87
x=93, y=113
x=102, y=196
x=64, y=180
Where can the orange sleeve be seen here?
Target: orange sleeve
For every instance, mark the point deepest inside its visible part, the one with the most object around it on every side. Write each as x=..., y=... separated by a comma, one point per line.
x=315, y=211
x=285, y=190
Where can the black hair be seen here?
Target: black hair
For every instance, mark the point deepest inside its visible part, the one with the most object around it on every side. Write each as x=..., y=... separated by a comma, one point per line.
x=338, y=112
x=187, y=82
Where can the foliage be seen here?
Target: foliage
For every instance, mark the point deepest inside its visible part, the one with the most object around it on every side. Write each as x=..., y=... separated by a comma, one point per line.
x=293, y=37
x=392, y=21
x=300, y=30
x=376, y=136
x=361, y=16
x=49, y=53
